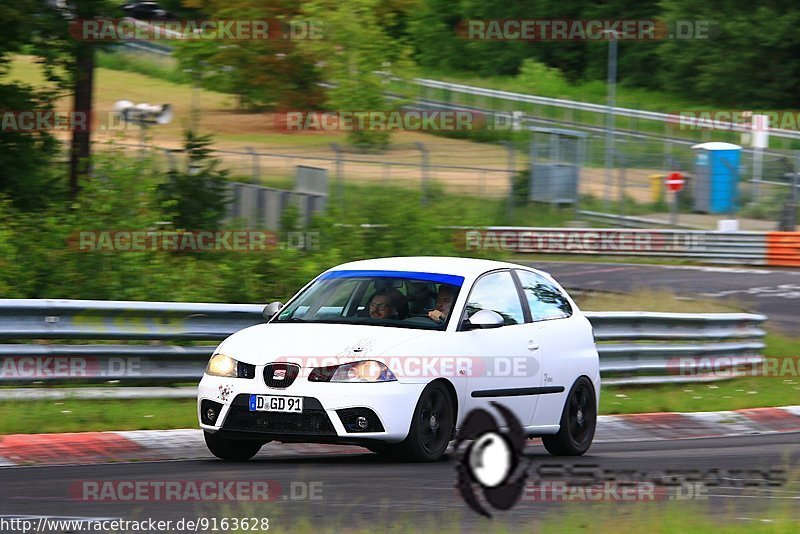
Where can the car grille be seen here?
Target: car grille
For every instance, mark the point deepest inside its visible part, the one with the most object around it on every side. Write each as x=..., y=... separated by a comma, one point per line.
x=280, y=375
x=313, y=421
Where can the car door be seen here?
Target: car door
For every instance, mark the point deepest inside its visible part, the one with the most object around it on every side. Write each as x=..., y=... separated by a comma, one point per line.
x=550, y=313
x=506, y=369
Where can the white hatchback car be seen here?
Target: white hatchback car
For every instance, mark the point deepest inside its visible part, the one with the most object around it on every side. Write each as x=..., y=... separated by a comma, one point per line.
x=392, y=353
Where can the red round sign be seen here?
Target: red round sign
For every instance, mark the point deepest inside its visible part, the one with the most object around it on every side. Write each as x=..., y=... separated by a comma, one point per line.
x=675, y=181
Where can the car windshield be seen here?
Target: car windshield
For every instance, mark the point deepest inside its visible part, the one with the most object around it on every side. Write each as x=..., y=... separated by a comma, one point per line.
x=381, y=298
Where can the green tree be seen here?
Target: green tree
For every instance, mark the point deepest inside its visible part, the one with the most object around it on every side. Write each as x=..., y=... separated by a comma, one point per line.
x=69, y=61
x=637, y=60
x=751, y=59
x=25, y=156
x=356, y=47
x=269, y=73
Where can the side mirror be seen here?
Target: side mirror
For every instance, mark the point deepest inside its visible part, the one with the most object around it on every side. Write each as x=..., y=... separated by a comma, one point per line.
x=484, y=319
x=271, y=309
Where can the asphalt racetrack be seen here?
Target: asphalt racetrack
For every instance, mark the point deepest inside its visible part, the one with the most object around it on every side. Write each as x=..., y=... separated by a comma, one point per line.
x=775, y=293
x=742, y=476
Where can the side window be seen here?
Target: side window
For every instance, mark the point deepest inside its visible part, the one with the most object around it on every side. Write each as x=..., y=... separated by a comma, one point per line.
x=544, y=299
x=497, y=292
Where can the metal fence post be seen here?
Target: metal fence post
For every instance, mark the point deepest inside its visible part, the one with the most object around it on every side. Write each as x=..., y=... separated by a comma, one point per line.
x=256, y=169
x=532, y=153
x=621, y=182
x=339, y=178
x=795, y=181
x=512, y=172
x=171, y=163
x=581, y=159
x=758, y=165
x=425, y=168
x=792, y=215
x=668, y=155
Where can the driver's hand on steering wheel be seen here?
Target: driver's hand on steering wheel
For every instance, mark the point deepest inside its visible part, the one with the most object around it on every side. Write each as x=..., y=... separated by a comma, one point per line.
x=437, y=316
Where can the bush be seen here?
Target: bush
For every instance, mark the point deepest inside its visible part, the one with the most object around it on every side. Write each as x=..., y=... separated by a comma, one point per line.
x=198, y=196
x=39, y=257
x=162, y=68
x=520, y=188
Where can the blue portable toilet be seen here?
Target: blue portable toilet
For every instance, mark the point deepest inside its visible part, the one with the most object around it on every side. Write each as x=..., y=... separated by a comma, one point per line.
x=716, y=180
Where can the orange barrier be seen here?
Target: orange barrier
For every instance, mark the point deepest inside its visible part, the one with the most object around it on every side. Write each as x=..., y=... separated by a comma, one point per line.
x=783, y=249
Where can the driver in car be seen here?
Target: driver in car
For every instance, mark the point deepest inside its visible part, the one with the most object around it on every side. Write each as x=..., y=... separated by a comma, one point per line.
x=444, y=301
x=387, y=304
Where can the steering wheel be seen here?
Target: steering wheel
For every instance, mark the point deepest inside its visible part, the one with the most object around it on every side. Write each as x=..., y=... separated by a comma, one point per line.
x=424, y=315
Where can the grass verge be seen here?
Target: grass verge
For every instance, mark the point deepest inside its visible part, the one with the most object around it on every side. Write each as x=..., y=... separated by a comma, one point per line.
x=780, y=388
x=76, y=415
x=651, y=300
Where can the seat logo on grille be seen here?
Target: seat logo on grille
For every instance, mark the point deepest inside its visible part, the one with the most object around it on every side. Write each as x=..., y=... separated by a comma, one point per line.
x=279, y=374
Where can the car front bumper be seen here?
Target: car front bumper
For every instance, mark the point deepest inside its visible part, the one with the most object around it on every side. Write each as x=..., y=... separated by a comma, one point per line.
x=325, y=406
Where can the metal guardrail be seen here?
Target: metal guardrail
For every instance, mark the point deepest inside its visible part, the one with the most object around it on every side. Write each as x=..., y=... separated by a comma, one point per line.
x=131, y=320
x=666, y=118
x=628, y=221
x=148, y=47
x=629, y=343
x=652, y=348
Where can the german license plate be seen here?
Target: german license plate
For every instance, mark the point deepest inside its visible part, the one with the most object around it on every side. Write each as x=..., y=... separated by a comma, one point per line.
x=272, y=403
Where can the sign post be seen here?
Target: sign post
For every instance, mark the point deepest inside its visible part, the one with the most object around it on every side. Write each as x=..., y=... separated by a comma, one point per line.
x=674, y=182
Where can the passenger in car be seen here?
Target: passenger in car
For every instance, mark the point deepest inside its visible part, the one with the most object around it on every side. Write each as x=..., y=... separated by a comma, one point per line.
x=444, y=301
x=388, y=303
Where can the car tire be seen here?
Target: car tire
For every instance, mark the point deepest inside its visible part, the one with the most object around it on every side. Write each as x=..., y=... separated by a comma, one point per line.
x=578, y=422
x=431, y=430
x=233, y=450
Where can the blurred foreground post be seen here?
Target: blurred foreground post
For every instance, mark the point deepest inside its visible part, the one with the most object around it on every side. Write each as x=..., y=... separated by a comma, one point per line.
x=81, y=137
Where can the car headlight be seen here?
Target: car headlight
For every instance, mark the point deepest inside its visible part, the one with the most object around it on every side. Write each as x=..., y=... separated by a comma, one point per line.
x=221, y=365
x=363, y=371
